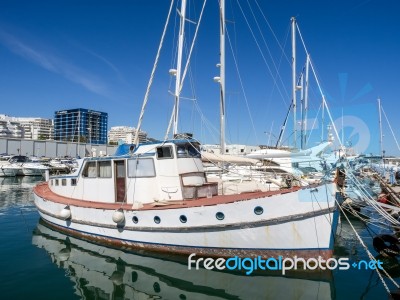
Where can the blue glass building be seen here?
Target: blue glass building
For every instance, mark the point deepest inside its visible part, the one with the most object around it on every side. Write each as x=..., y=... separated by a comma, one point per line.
x=81, y=125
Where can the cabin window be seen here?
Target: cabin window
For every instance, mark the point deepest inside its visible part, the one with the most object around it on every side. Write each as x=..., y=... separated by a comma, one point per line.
x=187, y=150
x=157, y=220
x=51, y=182
x=73, y=181
x=142, y=167
x=164, y=152
x=63, y=182
x=104, y=169
x=56, y=182
x=90, y=170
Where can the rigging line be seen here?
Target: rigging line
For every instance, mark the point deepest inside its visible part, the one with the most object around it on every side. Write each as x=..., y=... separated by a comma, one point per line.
x=325, y=103
x=146, y=97
x=273, y=33
x=362, y=190
x=312, y=128
x=241, y=85
x=259, y=49
x=191, y=47
x=368, y=252
x=398, y=147
x=207, y=123
x=269, y=51
x=369, y=199
x=187, y=66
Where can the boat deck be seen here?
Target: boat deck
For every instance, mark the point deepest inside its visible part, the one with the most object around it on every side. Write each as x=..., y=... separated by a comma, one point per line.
x=42, y=190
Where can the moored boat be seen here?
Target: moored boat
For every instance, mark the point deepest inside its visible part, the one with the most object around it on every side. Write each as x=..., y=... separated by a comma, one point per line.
x=156, y=197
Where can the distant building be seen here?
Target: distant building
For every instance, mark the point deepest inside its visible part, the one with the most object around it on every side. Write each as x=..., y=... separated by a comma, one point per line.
x=10, y=128
x=36, y=128
x=126, y=134
x=81, y=125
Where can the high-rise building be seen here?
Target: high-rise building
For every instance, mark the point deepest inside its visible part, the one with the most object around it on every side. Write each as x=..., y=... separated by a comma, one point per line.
x=126, y=134
x=81, y=125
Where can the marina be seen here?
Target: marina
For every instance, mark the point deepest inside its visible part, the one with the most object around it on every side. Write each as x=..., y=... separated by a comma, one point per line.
x=51, y=264
x=191, y=203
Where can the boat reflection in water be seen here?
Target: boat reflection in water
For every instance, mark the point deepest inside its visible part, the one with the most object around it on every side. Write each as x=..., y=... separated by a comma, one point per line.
x=100, y=272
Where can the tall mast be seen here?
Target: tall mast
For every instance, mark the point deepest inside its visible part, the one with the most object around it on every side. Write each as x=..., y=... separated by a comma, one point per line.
x=182, y=14
x=222, y=76
x=304, y=123
x=294, y=80
x=302, y=111
x=380, y=127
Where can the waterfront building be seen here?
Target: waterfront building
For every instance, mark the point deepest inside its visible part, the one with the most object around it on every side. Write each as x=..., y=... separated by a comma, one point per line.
x=37, y=128
x=27, y=128
x=81, y=125
x=126, y=134
x=11, y=129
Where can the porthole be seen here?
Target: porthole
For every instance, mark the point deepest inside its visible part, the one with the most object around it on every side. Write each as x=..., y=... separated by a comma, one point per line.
x=258, y=210
x=134, y=276
x=135, y=219
x=157, y=220
x=156, y=287
x=220, y=216
x=183, y=219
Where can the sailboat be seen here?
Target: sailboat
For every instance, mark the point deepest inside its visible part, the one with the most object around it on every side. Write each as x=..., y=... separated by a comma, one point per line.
x=155, y=196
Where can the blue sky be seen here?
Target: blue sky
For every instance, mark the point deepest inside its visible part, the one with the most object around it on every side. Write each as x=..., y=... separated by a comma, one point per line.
x=99, y=54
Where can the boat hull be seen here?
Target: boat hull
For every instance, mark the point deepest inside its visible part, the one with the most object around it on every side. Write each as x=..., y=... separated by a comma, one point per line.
x=8, y=172
x=301, y=223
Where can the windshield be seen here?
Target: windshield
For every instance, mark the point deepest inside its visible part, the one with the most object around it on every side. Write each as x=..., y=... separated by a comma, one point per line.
x=187, y=150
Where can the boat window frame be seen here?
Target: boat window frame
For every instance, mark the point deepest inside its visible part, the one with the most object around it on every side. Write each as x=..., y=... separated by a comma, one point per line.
x=138, y=159
x=187, y=153
x=171, y=151
x=85, y=171
x=99, y=162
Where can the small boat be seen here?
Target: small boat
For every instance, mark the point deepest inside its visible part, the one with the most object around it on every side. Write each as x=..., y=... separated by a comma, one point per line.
x=34, y=169
x=14, y=165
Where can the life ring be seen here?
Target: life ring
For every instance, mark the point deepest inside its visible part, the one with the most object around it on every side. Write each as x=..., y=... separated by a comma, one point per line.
x=386, y=244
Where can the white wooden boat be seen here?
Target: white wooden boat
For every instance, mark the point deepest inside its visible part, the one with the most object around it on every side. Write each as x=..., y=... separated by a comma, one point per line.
x=157, y=198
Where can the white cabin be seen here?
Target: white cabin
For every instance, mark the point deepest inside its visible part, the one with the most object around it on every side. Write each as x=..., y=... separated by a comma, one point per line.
x=151, y=172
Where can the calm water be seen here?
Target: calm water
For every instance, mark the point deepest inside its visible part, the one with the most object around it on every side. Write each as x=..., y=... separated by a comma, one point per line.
x=40, y=263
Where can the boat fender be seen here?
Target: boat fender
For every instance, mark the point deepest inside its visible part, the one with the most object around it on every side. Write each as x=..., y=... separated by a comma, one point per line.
x=383, y=199
x=118, y=216
x=387, y=245
x=65, y=213
x=64, y=254
x=117, y=277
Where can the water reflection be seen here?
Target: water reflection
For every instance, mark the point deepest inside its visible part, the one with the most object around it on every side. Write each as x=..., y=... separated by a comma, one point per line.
x=103, y=273
x=17, y=191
